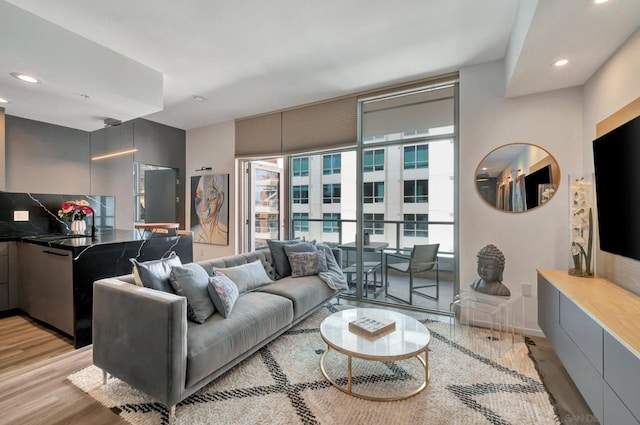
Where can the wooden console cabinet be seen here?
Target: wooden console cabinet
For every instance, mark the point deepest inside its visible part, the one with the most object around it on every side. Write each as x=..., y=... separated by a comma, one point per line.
x=594, y=328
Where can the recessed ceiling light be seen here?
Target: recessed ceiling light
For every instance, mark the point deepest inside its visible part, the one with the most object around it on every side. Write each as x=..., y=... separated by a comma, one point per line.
x=599, y=1
x=198, y=98
x=561, y=62
x=3, y=100
x=26, y=78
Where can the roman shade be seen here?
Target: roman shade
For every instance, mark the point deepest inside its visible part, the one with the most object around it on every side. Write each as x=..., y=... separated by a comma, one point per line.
x=259, y=136
x=322, y=126
x=333, y=124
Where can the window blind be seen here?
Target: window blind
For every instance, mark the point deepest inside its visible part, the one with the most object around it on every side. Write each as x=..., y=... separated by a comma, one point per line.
x=259, y=136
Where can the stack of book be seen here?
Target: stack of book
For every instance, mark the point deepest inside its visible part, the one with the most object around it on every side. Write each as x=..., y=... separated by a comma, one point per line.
x=369, y=327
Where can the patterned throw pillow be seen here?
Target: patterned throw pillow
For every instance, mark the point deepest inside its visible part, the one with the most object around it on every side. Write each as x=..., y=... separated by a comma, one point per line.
x=223, y=293
x=307, y=263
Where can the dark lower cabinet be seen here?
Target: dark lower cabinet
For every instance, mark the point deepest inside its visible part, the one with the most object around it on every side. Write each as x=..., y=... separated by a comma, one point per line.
x=55, y=284
x=46, y=285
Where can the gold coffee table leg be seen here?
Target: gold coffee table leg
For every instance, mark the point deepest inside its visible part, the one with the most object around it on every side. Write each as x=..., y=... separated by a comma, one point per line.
x=349, y=374
x=424, y=362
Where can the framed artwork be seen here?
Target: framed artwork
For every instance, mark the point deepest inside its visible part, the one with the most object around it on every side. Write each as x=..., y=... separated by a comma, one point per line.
x=210, y=209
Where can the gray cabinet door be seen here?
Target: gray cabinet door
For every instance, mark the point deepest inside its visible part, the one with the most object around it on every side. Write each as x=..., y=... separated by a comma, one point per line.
x=615, y=412
x=548, y=310
x=60, y=289
x=32, y=290
x=46, y=285
x=160, y=196
x=622, y=373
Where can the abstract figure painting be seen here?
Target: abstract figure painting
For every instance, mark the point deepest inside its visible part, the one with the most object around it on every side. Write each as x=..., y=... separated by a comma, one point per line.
x=210, y=209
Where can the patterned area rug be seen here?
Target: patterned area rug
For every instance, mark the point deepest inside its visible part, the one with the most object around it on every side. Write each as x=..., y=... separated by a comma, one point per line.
x=283, y=384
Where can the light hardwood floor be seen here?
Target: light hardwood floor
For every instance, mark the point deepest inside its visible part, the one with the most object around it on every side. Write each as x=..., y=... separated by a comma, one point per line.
x=34, y=364
x=35, y=361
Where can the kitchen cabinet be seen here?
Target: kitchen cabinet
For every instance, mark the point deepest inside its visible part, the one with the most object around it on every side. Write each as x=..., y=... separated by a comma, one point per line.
x=592, y=326
x=46, y=285
x=56, y=273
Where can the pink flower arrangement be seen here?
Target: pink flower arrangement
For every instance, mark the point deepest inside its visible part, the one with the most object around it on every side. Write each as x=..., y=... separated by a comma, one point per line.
x=75, y=210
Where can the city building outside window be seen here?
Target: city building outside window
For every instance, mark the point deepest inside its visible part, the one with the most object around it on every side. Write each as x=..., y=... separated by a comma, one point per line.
x=373, y=160
x=374, y=224
x=418, y=227
x=301, y=194
x=331, y=164
x=416, y=156
x=331, y=193
x=300, y=167
x=416, y=191
x=331, y=223
x=373, y=192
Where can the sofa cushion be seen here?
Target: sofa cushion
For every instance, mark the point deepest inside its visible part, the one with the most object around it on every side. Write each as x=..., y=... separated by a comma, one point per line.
x=247, y=277
x=223, y=292
x=305, y=292
x=279, y=251
x=256, y=317
x=191, y=281
x=307, y=263
x=154, y=274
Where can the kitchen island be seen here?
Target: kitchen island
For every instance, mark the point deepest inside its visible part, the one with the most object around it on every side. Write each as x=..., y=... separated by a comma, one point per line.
x=57, y=271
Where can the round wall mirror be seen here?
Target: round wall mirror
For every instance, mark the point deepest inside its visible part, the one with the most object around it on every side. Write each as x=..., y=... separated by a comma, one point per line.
x=517, y=177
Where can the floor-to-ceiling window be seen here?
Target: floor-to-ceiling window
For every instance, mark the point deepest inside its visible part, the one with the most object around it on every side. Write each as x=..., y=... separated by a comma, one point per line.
x=408, y=147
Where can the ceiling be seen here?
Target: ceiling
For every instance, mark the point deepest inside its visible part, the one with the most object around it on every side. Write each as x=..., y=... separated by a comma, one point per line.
x=122, y=59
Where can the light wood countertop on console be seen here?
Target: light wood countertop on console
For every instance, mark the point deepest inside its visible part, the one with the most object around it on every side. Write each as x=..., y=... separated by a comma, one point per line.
x=611, y=306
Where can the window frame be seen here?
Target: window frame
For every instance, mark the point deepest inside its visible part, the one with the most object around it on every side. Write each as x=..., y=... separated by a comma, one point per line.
x=374, y=197
x=299, y=199
x=335, y=193
x=302, y=171
x=373, y=223
x=331, y=226
x=414, y=197
x=375, y=165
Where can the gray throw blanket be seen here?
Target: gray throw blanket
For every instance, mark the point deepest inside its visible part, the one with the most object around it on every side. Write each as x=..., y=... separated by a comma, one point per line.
x=333, y=277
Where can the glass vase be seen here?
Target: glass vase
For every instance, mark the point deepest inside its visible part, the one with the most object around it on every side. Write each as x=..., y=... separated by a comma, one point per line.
x=581, y=203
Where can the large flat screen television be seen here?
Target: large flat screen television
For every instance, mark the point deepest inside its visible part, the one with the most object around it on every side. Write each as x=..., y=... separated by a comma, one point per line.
x=616, y=157
x=531, y=183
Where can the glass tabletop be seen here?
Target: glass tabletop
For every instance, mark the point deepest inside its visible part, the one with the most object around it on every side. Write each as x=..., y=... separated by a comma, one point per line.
x=409, y=338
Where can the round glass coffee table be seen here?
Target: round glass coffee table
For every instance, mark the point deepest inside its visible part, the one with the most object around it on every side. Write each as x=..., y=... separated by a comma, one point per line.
x=409, y=339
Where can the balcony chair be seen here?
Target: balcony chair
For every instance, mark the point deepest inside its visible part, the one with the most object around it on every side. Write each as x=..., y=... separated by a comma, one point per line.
x=422, y=259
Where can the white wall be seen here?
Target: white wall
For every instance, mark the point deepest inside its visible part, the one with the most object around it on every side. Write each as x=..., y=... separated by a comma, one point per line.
x=533, y=239
x=212, y=146
x=613, y=86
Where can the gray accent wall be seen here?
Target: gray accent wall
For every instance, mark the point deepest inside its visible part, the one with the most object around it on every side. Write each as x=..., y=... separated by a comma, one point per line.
x=114, y=176
x=45, y=158
x=162, y=145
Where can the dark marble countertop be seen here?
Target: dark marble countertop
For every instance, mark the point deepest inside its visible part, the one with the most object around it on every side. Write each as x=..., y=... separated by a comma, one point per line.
x=72, y=242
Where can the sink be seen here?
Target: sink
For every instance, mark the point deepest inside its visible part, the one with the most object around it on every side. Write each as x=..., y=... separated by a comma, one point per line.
x=56, y=237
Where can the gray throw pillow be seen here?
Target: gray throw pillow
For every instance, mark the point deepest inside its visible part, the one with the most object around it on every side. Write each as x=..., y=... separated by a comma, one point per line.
x=307, y=263
x=279, y=257
x=223, y=293
x=154, y=274
x=247, y=277
x=191, y=281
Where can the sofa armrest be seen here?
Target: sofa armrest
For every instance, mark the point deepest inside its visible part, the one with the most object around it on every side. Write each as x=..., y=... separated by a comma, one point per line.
x=140, y=337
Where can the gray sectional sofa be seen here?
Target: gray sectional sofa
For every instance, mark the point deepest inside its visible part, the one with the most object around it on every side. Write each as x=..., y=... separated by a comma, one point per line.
x=142, y=336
